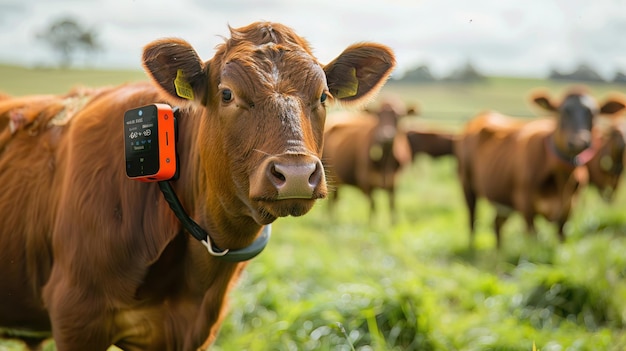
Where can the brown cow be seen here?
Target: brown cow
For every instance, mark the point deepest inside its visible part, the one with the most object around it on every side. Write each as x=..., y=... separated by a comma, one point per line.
x=530, y=167
x=366, y=149
x=430, y=142
x=101, y=259
x=607, y=164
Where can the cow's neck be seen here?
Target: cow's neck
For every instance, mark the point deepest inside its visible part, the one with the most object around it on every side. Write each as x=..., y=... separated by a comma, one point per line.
x=206, y=199
x=579, y=159
x=205, y=238
x=223, y=215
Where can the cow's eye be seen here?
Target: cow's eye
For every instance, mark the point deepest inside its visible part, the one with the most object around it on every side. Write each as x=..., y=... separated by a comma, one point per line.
x=323, y=97
x=227, y=95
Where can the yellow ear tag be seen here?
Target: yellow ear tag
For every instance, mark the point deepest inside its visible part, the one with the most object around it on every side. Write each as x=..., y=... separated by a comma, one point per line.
x=376, y=152
x=183, y=88
x=350, y=88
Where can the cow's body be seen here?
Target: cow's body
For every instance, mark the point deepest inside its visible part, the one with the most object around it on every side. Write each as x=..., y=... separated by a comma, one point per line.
x=99, y=259
x=367, y=150
x=528, y=167
x=432, y=143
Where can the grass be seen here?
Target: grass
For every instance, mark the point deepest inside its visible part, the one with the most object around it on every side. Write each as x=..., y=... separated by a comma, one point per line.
x=418, y=277
x=338, y=282
x=23, y=81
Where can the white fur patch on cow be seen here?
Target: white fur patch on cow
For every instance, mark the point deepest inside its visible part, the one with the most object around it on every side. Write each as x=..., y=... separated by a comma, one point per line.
x=72, y=104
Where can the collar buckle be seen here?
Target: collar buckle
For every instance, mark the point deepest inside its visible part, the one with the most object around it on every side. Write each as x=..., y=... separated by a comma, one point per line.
x=201, y=235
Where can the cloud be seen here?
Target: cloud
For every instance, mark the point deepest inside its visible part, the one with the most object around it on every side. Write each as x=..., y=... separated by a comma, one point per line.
x=522, y=38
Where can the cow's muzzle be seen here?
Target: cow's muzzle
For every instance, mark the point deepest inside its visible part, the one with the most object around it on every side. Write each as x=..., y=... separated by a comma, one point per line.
x=294, y=177
x=286, y=185
x=289, y=176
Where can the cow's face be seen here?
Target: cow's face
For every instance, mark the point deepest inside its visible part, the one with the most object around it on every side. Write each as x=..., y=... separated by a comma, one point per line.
x=575, y=119
x=575, y=115
x=265, y=99
x=271, y=103
x=387, y=127
x=606, y=168
x=389, y=114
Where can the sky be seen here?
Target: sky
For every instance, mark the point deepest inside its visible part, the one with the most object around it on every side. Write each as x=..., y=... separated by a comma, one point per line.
x=515, y=38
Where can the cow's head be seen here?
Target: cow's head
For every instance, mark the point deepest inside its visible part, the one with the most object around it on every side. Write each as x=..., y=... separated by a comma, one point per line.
x=264, y=95
x=607, y=165
x=387, y=139
x=575, y=115
x=389, y=114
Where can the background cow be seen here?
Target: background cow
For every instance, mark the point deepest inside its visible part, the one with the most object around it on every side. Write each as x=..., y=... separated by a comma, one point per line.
x=100, y=259
x=366, y=149
x=529, y=167
x=431, y=142
x=607, y=164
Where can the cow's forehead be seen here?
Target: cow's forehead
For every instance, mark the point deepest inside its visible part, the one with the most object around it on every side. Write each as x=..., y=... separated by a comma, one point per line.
x=266, y=56
x=588, y=102
x=269, y=68
x=580, y=101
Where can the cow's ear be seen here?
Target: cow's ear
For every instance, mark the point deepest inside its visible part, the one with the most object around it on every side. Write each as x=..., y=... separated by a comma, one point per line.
x=176, y=67
x=544, y=102
x=612, y=107
x=359, y=72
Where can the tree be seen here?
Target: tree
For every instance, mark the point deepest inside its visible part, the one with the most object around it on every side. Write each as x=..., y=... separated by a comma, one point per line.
x=66, y=36
x=583, y=73
x=619, y=78
x=466, y=74
x=420, y=74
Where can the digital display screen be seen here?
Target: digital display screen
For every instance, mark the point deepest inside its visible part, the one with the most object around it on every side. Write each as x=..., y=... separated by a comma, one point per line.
x=141, y=141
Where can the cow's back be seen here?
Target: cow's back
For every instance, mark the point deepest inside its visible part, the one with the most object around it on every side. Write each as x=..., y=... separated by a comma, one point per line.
x=64, y=167
x=346, y=148
x=490, y=151
x=432, y=143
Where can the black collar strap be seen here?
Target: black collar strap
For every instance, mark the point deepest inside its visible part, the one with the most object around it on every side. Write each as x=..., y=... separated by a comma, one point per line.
x=201, y=235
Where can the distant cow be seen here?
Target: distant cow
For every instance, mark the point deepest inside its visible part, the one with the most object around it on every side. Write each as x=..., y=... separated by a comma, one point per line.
x=430, y=142
x=366, y=149
x=607, y=164
x=530, y=167
x=100, y=259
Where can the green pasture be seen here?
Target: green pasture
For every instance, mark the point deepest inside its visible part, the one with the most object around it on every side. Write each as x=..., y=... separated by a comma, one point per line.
x=17, y=80
x=338, y=281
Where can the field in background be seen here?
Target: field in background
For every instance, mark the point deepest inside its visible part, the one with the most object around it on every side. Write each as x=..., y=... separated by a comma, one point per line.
x=335, y=282
x=17, y=80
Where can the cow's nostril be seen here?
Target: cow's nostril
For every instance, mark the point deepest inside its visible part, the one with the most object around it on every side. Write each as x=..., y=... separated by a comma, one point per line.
x=277, y=174
x=316, y=176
